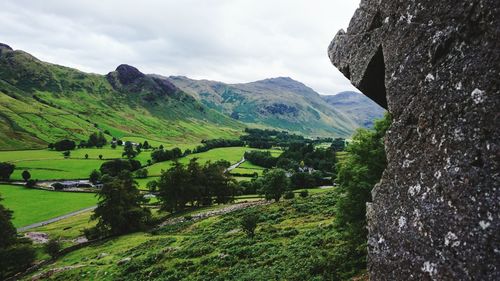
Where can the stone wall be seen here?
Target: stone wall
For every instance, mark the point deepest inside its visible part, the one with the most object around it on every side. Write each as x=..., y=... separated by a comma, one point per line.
x=435, y=65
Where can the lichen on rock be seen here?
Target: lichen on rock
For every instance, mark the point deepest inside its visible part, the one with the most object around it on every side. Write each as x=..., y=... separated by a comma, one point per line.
x=435, y=65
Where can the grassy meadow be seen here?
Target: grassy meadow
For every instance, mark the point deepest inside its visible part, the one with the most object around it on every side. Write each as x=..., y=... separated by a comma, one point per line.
x=32, y=205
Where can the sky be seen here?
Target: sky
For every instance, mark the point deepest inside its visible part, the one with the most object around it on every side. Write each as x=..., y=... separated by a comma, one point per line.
x=233, y=41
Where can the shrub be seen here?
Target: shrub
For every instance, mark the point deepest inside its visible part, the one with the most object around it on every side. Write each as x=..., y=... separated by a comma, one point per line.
x=141, y=173
x=6, y=169
x=53, y=247
x=289, y=195
x=249, y=224
x=304, y=193
x=31, y=183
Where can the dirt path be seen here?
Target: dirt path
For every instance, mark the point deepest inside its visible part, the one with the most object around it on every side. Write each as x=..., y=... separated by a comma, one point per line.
x=211, y=213
x=24, y=228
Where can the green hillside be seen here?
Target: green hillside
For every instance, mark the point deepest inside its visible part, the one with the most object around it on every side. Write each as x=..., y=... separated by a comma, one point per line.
x=294, y=240
x=41, y=103
x=277, y=102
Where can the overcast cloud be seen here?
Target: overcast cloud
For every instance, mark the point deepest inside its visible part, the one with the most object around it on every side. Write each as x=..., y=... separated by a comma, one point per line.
x=226, y=40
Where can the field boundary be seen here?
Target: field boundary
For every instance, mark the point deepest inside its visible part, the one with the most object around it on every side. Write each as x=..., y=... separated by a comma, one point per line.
x=56, y=219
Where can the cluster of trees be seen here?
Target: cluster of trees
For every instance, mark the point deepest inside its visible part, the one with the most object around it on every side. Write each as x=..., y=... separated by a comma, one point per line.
x=62, y=145
x=273, y=184
x=307, y=155
x=161, y=155
x=95, y=140
x=296, y=156
x=16, y=254
x=6, y=170
x=261, y=158
x=216, y=143
x=195, y=184
x=258, y=138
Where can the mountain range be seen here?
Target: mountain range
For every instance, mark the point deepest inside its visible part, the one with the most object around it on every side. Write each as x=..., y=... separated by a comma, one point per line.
x=42, y=102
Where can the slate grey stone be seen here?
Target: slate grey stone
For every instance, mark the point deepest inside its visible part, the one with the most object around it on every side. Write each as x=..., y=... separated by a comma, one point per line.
x=435, y=65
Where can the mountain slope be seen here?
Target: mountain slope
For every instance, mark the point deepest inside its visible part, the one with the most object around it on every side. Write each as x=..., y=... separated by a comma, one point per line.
x=357, y=106
x=42, y=102
x=277, y=102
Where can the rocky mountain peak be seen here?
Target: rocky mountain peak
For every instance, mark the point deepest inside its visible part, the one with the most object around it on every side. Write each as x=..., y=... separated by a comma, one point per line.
x=128, y=74
x=5, y=46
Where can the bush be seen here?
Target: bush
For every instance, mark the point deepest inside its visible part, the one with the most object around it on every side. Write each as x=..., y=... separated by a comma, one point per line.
x=58, y=186
x=6, y=169
x=53, y=247
x=31, y=183
x=304, y=193
x=249, y=224
x=141, y=173
x=289, y=195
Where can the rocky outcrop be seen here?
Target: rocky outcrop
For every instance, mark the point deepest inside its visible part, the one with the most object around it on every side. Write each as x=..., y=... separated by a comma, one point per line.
x=435, y=65
x=4, y=47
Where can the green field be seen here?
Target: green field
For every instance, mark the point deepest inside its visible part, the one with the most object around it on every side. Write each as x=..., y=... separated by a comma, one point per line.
x=46, y=164
x=33, y=205
x=231, y=154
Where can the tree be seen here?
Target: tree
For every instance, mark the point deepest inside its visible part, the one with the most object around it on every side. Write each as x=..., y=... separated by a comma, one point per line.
x=128, y=150
x=50, y=146
x=152, y=186
x=219, y=183
x=6, y=169
x=26, y=175
x=145, y=145
x=86, y=156
x=249, y=224
x=115, y=166
x=16, y=254
x=338, y=144
x=358, y=173
x=95, y=177
x=65, y=144
x=100, y=156
x=66, y=154
x=274, y=184
x=119, y=208
x=53, y=247
x=113, y=145
x=171, y=187
x=141, y=173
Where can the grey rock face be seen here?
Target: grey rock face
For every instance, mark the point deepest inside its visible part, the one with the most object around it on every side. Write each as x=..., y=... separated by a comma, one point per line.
x=436, y=66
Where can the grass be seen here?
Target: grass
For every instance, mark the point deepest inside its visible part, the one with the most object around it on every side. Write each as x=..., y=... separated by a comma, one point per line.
x=33, y=205
x=69, y=228
x=231, y=154
x=56, y=169
x=293, y=240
